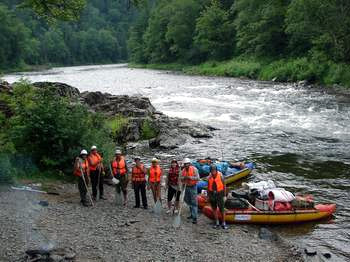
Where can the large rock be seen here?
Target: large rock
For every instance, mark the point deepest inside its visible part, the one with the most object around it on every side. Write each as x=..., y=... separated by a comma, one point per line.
x=61, y=89
x=170, y=132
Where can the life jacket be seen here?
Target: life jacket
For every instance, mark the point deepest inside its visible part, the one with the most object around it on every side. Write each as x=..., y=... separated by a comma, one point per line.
x=155, y=174
x=218, y=181
x=138, y=174
x=189, y=173
x=119, y=166
x=94, y=161
x=84, y=164
x=173, y=177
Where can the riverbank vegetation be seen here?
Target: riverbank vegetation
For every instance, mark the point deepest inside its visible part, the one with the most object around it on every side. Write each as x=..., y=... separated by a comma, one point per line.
x=268, y=40
x=44, y=133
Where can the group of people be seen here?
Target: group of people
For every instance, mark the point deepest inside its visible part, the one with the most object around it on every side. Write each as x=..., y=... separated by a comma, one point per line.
x=179, y=178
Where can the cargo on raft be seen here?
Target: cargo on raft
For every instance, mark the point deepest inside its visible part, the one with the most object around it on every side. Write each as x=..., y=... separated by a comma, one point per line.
x=232, y=171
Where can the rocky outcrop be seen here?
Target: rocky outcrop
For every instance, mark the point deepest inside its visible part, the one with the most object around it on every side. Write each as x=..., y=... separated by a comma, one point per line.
x=169, y=132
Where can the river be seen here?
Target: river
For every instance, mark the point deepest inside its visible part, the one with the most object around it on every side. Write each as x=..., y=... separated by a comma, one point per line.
x=298, y=137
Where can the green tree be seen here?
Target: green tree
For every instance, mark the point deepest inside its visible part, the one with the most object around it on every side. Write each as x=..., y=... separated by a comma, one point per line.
x=215, y=32
x=181, y=26
x=260, y=26
x=13, y=38
x=322, y=26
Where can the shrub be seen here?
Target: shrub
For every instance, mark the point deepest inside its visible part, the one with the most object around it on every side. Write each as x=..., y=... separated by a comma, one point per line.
x=148, y=131
x=51, y=130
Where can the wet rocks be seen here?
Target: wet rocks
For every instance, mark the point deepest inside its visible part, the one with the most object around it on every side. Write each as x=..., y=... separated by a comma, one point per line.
x=49, y=255
x=266, y=234
x=60, y=88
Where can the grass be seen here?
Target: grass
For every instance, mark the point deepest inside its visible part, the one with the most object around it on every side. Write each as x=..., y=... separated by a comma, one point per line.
x=283, y=70
x=148, y=131
x=117, y=123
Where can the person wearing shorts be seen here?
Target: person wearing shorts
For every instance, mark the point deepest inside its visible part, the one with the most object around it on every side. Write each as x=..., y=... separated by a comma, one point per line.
x=216, y=194
x=173, y=186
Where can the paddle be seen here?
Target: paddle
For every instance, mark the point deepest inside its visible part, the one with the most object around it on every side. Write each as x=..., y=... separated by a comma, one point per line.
x=177, y=219
x=158, y=206
x=98, y=184
x=244, y=200
x=87, y=189
x=29, y=189
x=118, y=195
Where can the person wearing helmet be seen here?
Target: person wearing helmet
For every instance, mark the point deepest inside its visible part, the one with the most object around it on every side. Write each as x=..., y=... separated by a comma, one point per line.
x=155, y=173
x=120, y=172
x=96, y=172
x=82, y=171
x=138, y=178
x=173, y=186
x=190, y=177
x=216, y=194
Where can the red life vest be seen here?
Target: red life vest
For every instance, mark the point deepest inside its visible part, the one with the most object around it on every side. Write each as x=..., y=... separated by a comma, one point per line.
x=119, y=166
x=218, y=181
x=138, y=174
x=173, y=178
x=84, y=164
x=189, y=173
x=94, y=161
x=155, y=174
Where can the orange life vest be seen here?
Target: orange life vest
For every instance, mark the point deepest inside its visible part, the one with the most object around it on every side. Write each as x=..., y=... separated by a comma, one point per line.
x=119, y=166
x=218, y=181
x=173, y=177
x=84, y=166
x=94, y=161
x=189, y=173
x=154, y=174
x=138, y=174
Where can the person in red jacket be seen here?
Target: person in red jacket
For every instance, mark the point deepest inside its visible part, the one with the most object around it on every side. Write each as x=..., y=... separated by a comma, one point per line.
x=120, y=172
x=173, y=186
x=138, y=178
x=155, y=173
x=96, y=172
x=216, y=194
x=82, y=171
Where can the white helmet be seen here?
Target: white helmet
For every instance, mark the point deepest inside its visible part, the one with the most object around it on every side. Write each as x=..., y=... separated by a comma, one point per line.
x=93, y=147
x=186, y=160
x=154, y=160
x=83, y=152
x=118, y=152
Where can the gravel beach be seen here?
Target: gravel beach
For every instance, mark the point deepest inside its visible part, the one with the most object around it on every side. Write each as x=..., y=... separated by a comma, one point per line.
x=110, y=233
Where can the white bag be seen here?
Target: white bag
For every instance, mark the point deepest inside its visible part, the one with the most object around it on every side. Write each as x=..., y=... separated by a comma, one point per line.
x=115, y=181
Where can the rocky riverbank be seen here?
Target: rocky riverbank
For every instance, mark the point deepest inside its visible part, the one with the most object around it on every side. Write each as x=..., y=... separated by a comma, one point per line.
x=110, y=233
x=170, y=132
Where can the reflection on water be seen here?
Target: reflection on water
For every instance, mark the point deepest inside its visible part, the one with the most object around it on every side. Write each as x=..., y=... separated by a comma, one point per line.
x=298, y=137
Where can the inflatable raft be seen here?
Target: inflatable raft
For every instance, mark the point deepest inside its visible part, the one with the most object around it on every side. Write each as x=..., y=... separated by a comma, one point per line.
x=249, y=215
x=232, y=175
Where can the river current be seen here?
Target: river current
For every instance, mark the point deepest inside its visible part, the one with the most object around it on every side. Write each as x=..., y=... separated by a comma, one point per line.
x=298, y=137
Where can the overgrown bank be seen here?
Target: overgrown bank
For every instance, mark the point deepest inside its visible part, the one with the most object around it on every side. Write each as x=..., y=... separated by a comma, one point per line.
x=44, y=125
x=284, y=70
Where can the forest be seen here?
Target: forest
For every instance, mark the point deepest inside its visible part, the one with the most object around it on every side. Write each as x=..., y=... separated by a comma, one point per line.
x=281, y=40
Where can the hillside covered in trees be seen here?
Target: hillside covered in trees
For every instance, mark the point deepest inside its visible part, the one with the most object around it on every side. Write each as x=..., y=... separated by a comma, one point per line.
x=98, y=36
x=280, y=40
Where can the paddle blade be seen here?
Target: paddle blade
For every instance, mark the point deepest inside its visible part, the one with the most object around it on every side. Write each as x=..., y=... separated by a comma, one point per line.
x=177, y=221
x=118, y=197
x=157, y=208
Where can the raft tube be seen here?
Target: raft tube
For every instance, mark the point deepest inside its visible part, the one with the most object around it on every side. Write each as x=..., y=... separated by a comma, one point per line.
x=250, y=216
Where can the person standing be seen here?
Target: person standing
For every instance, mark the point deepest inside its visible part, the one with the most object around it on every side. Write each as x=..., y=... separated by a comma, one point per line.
x=216, y=194
x=190, y=177
x=154, y=179
x=173, y=186
x=82, y=171
x=138, y=177
x=120, y=172
x=96, y=172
